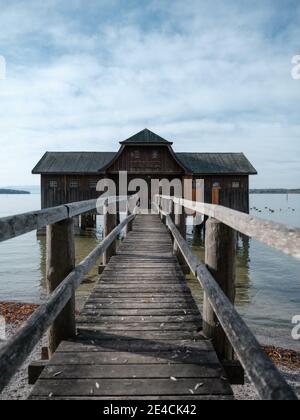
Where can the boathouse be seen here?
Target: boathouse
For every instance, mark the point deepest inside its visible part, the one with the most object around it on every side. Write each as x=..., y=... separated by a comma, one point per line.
x=72, y=176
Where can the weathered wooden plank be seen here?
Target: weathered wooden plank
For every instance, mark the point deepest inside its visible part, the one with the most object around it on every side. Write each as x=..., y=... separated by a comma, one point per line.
x=131, y=387
x=156, y=310
x=139, y=398
x=115, y=319
x=127, y=358
x=138, y=345
x=131, y=371
x=140, y=326
x=146, y=335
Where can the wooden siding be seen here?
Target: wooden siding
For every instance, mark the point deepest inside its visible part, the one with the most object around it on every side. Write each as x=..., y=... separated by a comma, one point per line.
x=146, y=160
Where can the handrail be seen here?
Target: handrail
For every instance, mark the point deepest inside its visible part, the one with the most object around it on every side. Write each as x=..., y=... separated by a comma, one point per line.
x=268, y=382
x=17, y=225
x=276, y=235
x=18, y=348
x=262, y=372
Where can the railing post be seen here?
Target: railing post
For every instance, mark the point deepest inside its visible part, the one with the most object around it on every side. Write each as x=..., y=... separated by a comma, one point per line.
x=110, y=222
x=180, y=223
x=60, y=262
x=164, y=209
x=129, y=226
x=220, y=254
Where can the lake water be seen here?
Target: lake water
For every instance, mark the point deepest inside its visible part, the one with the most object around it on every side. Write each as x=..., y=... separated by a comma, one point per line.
x=268, y=282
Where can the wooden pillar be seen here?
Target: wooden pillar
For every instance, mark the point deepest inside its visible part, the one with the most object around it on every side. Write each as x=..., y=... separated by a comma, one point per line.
x=129, y=227
x=220, y=255
x=163, y=207
x=180, y=223
x=88, y=221
x=60, y=262
x=215, y=199
x=110, y=222
x=197, y=230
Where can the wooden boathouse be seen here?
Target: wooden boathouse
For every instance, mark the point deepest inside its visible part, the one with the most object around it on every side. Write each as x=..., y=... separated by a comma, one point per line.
x=72, y=176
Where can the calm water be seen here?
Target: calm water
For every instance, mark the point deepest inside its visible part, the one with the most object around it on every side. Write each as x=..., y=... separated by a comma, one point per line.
x=268, y=286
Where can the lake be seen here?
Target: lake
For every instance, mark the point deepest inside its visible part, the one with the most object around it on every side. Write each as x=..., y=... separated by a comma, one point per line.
x=268, y=282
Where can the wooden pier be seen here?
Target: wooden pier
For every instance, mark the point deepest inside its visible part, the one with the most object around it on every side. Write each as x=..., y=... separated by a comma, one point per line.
x=140, y=334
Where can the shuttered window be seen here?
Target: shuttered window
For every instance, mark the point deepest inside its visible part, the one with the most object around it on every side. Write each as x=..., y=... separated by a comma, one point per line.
x=53, y=184
x=74, y=183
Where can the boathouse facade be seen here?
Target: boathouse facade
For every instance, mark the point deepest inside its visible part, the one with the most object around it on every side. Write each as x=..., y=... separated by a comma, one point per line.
x=73, y=176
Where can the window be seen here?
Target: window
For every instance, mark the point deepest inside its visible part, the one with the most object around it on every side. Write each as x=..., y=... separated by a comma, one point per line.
x=216, y=185
x=136, y=154
x=93, y=184
x=53, y=184
x=74, y=183
x=155, y=154
x=236, y=184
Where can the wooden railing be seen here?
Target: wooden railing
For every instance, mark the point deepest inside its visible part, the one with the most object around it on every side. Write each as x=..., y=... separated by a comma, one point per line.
x=221, y=321
x=63, y=278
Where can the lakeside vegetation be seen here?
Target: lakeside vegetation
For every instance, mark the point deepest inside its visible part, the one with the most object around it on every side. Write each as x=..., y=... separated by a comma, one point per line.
x=275, y=191
x=9, y=191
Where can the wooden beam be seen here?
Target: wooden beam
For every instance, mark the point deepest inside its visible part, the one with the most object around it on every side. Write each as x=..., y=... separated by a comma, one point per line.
x=281, y=237
x=220, y=255
x=60, y=262
x=110, y=222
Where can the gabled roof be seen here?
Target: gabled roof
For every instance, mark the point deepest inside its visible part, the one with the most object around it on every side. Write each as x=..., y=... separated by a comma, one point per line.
x=96, y=162
x=217, y=163
x=73, y=162
x=146, y=137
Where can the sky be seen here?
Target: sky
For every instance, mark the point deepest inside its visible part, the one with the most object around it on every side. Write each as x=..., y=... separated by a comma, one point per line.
x=212, y=76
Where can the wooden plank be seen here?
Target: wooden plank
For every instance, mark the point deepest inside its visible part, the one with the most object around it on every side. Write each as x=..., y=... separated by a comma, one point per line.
x=131, y=371
x=139, y=398
x=131, y=387
x=109, y=343
x=127, y=358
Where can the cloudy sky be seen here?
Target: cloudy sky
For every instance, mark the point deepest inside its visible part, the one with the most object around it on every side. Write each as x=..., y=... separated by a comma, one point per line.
x=210, y=75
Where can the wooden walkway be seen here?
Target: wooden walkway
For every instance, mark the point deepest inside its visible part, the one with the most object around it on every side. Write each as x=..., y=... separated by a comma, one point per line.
x=138, y=334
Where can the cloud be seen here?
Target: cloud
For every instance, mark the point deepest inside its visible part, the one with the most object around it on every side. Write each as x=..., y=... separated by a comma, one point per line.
x=210, y=76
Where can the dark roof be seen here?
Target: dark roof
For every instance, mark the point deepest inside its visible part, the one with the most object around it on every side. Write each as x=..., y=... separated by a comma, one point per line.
x=146, y=137
x=217, y=163
x=73, y=162
x=93, y=162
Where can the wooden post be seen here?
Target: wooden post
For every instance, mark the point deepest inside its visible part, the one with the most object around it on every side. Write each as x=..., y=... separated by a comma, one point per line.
x=110, y=222
x=60, y=262
x=215, y=199
x=180, y=223
x=164, y=208
x=220, y=255
x=129, y=226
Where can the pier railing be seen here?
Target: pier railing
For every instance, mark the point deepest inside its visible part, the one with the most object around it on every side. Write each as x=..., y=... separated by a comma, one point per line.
x=221, y=322
x=57, y=314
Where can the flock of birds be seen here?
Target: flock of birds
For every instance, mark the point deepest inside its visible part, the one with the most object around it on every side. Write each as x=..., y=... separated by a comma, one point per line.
x=269, y=209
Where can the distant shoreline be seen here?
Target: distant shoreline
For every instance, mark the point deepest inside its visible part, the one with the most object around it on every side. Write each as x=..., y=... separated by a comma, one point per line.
x=275, y=191
x=16, y=192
